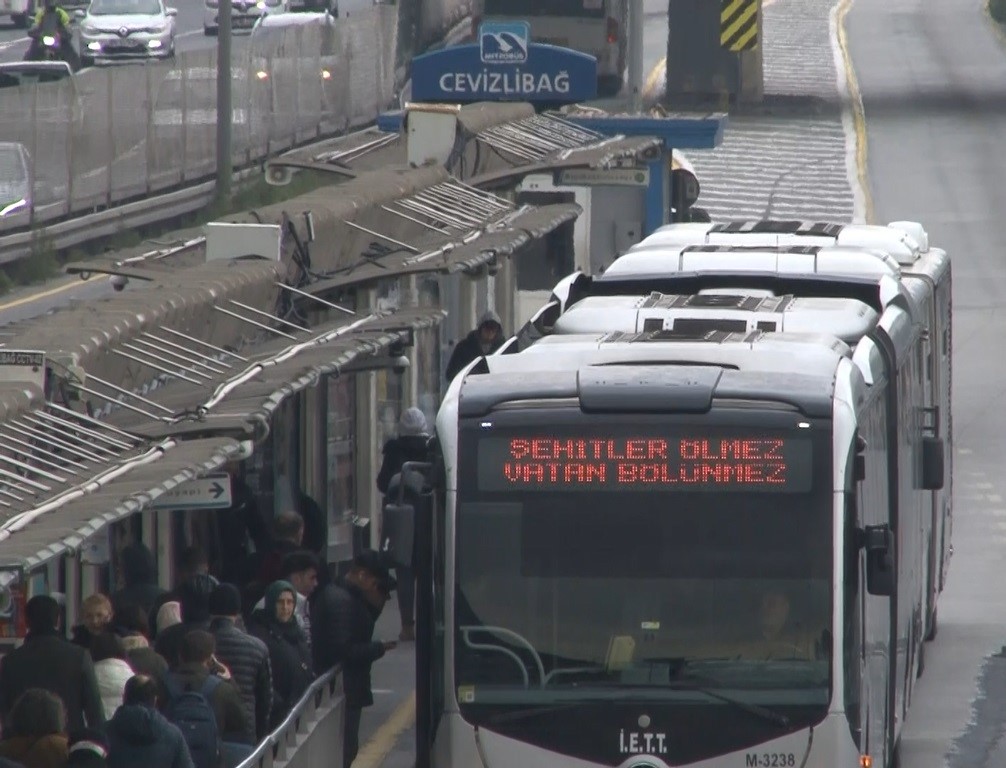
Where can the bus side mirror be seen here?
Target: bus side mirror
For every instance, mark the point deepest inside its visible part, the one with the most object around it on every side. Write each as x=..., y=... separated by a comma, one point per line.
x=932, y=463
x=878, y=542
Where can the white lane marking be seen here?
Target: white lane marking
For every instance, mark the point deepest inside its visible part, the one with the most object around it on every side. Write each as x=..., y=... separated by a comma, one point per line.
x=12, y=43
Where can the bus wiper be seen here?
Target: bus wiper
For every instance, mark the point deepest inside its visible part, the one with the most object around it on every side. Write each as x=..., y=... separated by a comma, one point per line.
x=545, y=709
x=754, y=709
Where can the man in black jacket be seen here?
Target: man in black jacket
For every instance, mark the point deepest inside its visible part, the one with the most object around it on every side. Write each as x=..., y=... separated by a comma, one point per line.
x=484, y=340
x=139, y=570
x=246, y=657
x=342, y=625
x=47, y=660
x=194, y=595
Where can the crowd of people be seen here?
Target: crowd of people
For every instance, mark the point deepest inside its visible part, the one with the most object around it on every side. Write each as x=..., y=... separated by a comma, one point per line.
x=186, y=678
x=196, y=676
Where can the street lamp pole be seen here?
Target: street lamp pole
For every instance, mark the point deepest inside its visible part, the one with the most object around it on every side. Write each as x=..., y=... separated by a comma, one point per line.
x=225, y=114
x=636, y=56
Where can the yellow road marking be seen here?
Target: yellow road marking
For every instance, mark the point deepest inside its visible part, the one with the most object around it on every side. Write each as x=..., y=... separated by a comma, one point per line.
x=46, y=294
x=659, y=71
x=379, y=745
x=858, y=113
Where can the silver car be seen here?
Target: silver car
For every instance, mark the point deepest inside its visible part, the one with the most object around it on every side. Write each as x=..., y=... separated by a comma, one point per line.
x=126, y=29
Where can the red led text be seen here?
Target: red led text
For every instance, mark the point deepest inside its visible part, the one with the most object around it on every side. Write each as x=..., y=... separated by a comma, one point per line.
x=645, y=461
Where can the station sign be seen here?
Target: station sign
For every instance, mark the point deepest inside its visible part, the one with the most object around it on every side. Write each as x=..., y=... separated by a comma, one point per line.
x=209, y=492
x=504, y=65
x=613, y=177
x=22, y=366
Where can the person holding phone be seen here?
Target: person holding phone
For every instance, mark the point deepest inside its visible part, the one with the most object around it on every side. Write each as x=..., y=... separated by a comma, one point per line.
x=342, y=628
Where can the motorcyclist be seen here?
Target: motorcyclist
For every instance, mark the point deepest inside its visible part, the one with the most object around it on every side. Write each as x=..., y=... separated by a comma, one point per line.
x=48, y=19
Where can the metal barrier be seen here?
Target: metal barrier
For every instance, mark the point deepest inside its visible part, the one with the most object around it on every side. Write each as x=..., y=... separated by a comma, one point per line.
x=117, y=134
x=312, y=734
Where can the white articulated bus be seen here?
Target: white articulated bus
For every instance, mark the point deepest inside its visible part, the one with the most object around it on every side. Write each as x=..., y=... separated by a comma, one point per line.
x=677, y=547
x=903, y=251
x=872, y=263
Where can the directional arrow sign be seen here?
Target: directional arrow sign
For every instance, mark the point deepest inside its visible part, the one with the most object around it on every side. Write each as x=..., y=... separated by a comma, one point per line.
x=209, y=492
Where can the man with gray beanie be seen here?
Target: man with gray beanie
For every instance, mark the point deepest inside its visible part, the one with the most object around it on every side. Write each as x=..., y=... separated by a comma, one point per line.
x=410, y=445
x=484, y=340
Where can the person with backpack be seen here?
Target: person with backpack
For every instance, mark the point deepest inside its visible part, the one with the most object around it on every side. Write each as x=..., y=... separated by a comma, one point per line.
x=206, y=708
x=139, y=735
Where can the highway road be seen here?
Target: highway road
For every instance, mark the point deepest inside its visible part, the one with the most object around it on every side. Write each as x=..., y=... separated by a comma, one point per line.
x=933, y=77
x=190, y=37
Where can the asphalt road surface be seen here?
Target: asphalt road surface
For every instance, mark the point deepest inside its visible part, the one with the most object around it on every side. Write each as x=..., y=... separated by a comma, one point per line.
x=933, y=77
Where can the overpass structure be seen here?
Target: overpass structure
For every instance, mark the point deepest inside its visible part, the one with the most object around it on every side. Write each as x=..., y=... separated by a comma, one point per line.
x=279, y=354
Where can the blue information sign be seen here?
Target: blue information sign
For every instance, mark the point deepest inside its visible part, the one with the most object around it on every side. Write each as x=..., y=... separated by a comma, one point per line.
x=504, y=66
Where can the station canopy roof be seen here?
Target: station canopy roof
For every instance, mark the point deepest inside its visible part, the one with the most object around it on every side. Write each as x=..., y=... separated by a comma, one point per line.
x=69, y=468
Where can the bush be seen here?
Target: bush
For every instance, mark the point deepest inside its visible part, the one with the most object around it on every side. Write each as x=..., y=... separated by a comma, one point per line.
x=998, y=10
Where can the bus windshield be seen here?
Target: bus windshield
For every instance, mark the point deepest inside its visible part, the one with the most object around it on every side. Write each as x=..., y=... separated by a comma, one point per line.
x=657, y=561
x=525, y=8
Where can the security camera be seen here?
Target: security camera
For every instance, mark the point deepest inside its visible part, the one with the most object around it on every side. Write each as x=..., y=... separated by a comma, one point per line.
x=400, y=364
x=278, y=175
x=119, y=282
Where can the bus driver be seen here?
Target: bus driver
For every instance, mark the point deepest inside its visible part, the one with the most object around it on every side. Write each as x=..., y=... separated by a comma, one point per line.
x=777, y=640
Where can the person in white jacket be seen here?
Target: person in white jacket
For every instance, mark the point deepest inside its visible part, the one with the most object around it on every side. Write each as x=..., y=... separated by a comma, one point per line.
x=111, y=668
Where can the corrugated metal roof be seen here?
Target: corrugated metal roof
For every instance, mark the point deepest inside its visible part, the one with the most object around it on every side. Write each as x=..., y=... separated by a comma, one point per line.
x=33, y=539
x=438, y=254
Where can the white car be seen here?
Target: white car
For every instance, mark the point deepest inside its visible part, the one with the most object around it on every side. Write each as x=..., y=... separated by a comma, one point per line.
x=126, y=29
x=244, y=14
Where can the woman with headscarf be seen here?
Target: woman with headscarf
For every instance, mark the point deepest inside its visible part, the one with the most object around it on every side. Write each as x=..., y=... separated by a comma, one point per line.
x=289, y=652
x=169, y=614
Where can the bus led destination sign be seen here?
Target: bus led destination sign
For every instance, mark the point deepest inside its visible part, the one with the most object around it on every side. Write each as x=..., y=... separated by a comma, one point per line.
x=748, y=462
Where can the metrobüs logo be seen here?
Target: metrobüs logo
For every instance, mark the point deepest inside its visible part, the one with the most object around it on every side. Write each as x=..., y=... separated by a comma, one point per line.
x=504, y=42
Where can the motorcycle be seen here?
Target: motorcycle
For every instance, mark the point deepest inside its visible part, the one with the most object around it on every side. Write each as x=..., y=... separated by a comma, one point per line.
x=51, y=45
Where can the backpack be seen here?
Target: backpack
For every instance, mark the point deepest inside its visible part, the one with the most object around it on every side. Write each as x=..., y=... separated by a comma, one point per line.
x=195, y=717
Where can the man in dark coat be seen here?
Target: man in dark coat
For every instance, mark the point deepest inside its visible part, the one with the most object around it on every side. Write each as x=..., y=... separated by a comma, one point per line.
x=246, y=657
x=140, y=736
x=47, y=660
x=194, y=595
x=139, y=571
x=484, y=340
x=193, y=567
x=342, y=625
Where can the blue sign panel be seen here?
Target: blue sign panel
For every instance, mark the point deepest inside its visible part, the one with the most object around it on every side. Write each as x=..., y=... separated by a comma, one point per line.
x=504, y=66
